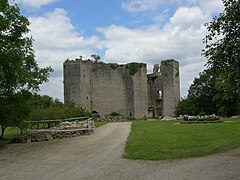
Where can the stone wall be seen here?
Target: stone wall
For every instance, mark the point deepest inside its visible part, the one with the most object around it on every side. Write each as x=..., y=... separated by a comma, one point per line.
x=103, y=88
x=155, y=94
x=107, y=88
x=62, y=130
x=164, y=89
x=109, y=92
x=140, y=93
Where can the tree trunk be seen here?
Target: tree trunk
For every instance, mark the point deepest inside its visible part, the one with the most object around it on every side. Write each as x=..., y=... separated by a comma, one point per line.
x=3, y=129
x=21, y=129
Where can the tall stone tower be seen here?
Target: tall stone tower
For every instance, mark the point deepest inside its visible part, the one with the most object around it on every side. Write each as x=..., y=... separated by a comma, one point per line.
x=170, y=86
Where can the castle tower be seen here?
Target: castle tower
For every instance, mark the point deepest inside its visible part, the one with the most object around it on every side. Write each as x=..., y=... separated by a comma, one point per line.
x=170, y=86
x=77, y=83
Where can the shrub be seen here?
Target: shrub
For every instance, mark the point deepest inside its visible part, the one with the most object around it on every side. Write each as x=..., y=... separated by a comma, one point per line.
x=115, y=114
x=58, y=112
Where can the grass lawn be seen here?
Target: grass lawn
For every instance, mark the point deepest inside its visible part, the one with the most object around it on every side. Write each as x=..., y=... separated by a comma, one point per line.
x=165, y=140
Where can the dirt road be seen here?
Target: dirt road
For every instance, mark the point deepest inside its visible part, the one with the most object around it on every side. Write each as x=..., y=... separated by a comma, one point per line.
x=99, y=156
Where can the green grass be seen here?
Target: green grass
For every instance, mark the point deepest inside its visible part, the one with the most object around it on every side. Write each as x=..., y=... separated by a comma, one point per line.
x=99, y=123
x=9, y=134
x=166, y=140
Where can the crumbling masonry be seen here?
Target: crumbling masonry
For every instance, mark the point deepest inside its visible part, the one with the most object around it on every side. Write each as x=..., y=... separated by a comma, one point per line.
x=125, y=89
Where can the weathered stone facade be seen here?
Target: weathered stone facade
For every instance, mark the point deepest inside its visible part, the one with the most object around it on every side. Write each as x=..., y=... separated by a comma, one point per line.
x=125, y=89
x=164, y=89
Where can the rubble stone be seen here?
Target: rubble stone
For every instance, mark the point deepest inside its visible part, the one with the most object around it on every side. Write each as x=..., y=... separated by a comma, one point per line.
x=49, y=137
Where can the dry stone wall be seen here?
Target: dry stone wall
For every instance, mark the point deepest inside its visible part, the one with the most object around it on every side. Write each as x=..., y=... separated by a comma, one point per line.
x=63, y=130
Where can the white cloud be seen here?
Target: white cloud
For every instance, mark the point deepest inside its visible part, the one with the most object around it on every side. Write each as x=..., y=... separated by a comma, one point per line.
x=209, y=6
x=139, y=6
x=180, y=39
x=55, y=31
x=35, y=3
x=188, y=17
x=55, y=40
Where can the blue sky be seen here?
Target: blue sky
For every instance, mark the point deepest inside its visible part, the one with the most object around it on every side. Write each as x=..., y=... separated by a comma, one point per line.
x=119, y=31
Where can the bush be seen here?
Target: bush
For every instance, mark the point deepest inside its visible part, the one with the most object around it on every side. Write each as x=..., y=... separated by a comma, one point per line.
x=58, y=112
x=130, y=118
x=115, y=114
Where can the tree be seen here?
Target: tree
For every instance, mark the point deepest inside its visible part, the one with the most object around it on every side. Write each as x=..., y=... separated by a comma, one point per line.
x=186, y=106
x=223, y=53
x=19, y=71
x=38, y=101
x=46, y=108
x=200, y=96
x=96, y=57
x=14, y=109
x=202, y=92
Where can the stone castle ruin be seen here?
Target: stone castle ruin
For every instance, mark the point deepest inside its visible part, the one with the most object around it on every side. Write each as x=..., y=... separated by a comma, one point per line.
x=125, y=89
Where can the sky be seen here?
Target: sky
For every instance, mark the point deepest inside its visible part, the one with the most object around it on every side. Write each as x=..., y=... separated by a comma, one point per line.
x=120, y=31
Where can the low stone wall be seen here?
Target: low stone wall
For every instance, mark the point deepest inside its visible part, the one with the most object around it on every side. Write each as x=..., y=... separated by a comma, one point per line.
x=62, y=130
x=49, y=136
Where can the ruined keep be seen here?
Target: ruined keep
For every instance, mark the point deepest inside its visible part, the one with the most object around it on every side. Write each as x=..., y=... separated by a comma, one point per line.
x=164, y=89
x=125, y=89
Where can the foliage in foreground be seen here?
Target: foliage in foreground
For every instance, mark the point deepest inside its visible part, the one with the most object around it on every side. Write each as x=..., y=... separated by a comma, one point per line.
x=200, y=97
x=165, y=140
x=36, y=107
x=13, y=110
x=217, y=90
x=223, y=52
x=19, y=71
x=58, y=112
x=46, y=108
x=10, y=133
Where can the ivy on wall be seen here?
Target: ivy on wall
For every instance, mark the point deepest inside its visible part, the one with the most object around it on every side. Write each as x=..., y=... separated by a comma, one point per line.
x=133, y=67
x=113, y=65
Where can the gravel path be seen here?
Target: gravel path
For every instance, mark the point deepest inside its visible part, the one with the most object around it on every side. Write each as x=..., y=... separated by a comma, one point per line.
x=99, y=156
